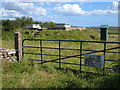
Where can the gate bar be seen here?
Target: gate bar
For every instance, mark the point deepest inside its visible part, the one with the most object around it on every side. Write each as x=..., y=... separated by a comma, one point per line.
x=59, y=56
x=80, y=55
x=41, y=50
x=104, y=57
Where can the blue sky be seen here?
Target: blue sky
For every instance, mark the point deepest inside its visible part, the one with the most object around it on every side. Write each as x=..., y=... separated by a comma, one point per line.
x=73, y=13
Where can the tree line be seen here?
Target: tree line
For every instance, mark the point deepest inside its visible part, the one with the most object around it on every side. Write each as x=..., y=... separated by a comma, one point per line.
x=8, y=25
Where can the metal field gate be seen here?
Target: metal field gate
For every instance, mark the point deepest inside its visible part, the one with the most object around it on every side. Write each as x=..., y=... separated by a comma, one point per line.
x=88, y=56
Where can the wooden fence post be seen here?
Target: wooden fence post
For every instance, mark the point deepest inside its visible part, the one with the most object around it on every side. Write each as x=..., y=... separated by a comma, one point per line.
x=18, y=45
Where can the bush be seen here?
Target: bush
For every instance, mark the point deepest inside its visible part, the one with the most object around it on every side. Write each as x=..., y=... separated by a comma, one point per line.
x=26, y=32
x=111, y=82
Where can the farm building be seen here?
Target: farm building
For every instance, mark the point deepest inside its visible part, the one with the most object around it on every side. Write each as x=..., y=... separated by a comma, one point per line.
x=62, y=26
x=33, y=26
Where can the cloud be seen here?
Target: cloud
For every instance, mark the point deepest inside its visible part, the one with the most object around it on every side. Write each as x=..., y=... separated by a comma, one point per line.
x=17, y=9
x=75, y=9
x=40, y=3
x=10, y=13
x=60, y=0
x=24, y=8
x=70, y=9
x=114, y=6
x=12, y=9
x=99, y=12
x=47, y=0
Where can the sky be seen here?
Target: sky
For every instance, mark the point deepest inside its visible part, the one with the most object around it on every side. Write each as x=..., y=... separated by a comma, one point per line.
x=89, y=13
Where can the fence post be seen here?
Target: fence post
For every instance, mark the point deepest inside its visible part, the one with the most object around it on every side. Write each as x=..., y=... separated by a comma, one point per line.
x=80, y=55
x=104, y=32
x=41, y=50
x=59, y=56
x=104, y=57
x=18, y=45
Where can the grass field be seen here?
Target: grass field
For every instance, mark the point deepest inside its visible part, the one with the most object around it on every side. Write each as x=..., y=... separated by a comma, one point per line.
x=26, y=75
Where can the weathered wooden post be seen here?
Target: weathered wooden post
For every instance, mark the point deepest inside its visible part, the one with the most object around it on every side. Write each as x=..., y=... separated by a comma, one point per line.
x=18, y=45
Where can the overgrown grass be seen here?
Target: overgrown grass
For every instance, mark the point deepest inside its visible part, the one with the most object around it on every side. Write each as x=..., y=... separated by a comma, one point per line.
x=69, y=35
x=27, y=75
x=21, y=75
x=89, y=34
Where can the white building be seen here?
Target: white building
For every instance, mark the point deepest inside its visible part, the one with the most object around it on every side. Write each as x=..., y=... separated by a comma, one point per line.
x=62, y=26
x=33, y=26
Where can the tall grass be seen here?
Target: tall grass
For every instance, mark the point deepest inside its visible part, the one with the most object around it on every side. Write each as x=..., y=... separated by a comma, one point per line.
x=27, y=75
x=20, y=75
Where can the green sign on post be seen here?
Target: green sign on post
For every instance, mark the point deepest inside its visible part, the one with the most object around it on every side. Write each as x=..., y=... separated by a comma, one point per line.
x=104, y=32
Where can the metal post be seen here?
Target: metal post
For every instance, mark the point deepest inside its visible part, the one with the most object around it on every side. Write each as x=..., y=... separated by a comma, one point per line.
x=23, y=49
x=104, y=32
x=59, y=56
x=104, y=57
x=41, y=50
x=80, y=55
x=18, y=45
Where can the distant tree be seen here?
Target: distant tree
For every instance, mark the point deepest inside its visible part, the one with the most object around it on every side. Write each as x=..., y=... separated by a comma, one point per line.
x=52, y=24
x=29, y=20
x=21, y=22
x=18, y=22
x=7, y=25
x=48, y=24
x=37, y=22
